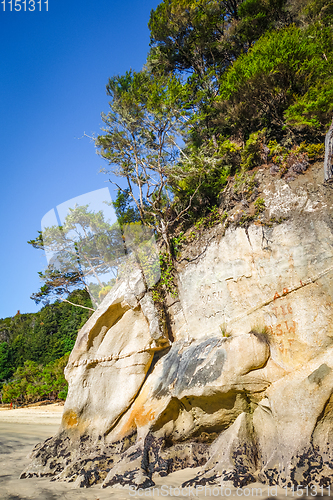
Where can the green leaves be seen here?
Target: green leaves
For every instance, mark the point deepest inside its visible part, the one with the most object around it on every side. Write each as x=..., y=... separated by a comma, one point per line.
x=125, y=212
x=314, y=108
x=185, y=35
x=5, y=368
x=284, y=80
x=203, y=173
x=141, y=142
x=43, y=340
x=202, y=39
x=33, y=382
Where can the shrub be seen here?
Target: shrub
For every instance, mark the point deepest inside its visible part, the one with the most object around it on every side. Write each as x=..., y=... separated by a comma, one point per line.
x=284, y=82
x=260, y=205
x=252, y=153
x=203, y=175
x=313, y=151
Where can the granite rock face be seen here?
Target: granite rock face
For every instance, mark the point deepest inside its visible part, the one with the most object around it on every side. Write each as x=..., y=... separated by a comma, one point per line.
x=240, y=383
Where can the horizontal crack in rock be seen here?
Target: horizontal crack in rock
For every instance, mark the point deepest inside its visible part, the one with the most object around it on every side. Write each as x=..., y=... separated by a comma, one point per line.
x=285, y=292
x=114, y=358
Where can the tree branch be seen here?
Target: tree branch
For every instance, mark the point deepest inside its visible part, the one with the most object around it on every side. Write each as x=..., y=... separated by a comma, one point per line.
x=76, y=305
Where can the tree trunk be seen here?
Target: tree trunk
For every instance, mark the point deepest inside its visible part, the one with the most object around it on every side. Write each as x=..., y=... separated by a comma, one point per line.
x=328, y=163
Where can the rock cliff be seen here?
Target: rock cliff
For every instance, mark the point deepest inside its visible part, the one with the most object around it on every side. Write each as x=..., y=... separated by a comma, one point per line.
x=240, y=382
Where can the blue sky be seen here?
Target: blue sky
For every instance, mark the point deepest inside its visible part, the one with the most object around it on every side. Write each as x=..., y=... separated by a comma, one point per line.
x=54, y=68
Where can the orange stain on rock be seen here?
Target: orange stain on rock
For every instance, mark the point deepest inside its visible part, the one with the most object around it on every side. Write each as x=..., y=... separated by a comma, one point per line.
x=70, y=419
x=143, y=416
x=142, y=412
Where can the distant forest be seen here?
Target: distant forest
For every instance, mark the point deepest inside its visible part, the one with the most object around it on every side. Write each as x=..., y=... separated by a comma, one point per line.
x=34, y=350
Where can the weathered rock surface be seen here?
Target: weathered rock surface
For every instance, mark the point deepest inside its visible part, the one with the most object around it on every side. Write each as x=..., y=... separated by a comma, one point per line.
x=243, y=386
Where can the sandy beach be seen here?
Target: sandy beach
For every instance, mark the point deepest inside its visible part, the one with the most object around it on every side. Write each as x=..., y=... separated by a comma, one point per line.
x=46, y=414
x=22, y=428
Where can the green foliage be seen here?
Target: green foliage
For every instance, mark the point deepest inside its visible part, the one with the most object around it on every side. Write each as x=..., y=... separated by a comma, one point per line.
x=321, y=10
x=203, y=35
x=313, y=109
x=252, y=152
x=283, y=82
x=86, y=247
x=276, y=149
x=167, y=283
x=286, y=158
x=5, y=368
x=57, y=284
x=146, y=119
x=202, y=39
x=177, y=242
x=125, y=211
x=260, y=205
x=218, y=74
x=32, y=382
x=313, y=151
x=202, y=175
x=185, y=34
x=43, y=337
x=244, y=184
x=167, y=280
x=245, y=219
x=214, y=217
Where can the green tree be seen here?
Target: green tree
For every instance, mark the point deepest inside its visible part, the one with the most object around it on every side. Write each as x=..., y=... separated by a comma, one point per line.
x=5, y=366
x=208, y=166
x=203, y=38
x=141, y=142
x=44, y=338
x=84, y=250
x=125, y=210
x=198, y=36
x=34, y=382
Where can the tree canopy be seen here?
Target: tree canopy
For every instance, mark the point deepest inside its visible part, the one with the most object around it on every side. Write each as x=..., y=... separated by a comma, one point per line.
x=222, y=77
x=217, y=73
x=141, y=142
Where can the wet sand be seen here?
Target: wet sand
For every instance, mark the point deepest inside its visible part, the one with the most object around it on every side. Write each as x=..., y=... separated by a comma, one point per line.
x=21, y=429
